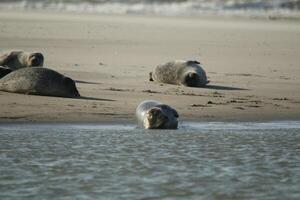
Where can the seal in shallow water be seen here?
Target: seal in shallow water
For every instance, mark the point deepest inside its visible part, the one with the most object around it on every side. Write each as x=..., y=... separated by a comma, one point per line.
x=4, y=71
x=19, y=59
x=156, y=115
x=188, y=73
x=39, y=81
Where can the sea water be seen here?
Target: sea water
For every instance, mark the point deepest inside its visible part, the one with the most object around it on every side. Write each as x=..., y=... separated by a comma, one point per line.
x=197, y=161
x=252, y=8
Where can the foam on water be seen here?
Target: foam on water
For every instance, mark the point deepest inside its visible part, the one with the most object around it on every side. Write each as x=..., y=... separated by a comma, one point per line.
x=262, y=8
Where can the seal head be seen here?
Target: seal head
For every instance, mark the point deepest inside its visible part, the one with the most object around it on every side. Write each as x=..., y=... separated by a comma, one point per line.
x=191, y=79
x=35, y=60
x=155, y=115
x=155, y=119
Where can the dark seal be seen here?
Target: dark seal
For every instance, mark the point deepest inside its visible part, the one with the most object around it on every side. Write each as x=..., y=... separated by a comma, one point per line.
x=39, y=81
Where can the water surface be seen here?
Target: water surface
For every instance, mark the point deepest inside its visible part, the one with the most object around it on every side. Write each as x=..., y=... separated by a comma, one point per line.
x=198, y=161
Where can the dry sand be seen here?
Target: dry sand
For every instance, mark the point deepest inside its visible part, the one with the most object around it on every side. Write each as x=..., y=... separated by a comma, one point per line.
x=253, y=65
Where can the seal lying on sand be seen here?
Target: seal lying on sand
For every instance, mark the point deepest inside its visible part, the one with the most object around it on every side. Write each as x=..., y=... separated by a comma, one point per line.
x=155, y=115
x=19, y=59
x=39, y=81
x=4, y=71
x=188, y=73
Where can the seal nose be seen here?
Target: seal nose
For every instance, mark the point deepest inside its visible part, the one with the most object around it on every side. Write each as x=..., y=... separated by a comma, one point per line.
x=35, y=61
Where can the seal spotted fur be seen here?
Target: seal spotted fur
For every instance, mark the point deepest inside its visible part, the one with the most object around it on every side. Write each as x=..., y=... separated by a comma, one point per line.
x=188, y=73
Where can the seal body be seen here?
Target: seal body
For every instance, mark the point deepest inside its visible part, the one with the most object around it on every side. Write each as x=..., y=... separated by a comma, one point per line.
x=156, y=115
x=39, y=81
x=179, y=72
x=19, y=59
x=4, y=71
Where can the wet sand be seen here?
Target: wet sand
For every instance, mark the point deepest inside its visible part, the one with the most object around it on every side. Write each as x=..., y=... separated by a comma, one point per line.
x=253, y=66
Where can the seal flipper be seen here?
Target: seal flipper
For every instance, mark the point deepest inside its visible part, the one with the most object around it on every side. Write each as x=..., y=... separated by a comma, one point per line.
x=190, y=62
x=150, y=77
x=4, y=71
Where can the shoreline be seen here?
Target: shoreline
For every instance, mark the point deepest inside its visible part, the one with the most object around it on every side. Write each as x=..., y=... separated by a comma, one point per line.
x=253, y=66
x=132, y=121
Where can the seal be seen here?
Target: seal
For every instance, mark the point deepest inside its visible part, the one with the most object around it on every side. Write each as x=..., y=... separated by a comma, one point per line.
x=19, y=59
x=39, y=81
x=4, y=71
x=152, y=114
x=179, y=72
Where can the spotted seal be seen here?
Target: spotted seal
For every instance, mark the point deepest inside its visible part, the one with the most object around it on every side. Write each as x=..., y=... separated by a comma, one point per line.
x=19, y=59
x=179, y=72
x=39, y=81
x=156, y=115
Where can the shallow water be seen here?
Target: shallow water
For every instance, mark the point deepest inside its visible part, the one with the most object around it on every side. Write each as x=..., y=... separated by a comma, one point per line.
x=198, y=161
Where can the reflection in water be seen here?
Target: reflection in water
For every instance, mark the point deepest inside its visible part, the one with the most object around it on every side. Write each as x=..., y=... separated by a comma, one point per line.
x=198, y=161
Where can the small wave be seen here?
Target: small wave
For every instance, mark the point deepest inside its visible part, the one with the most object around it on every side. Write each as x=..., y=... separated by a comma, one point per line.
x=273, y=125
x=288, y=8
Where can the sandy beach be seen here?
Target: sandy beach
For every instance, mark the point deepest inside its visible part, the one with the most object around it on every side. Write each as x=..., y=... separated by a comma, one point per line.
x=253, y=66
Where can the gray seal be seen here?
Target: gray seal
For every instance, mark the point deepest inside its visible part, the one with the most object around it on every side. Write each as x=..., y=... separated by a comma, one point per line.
x=156, y=115
x=19, y=59
x=39, y=81
x=179, y=72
